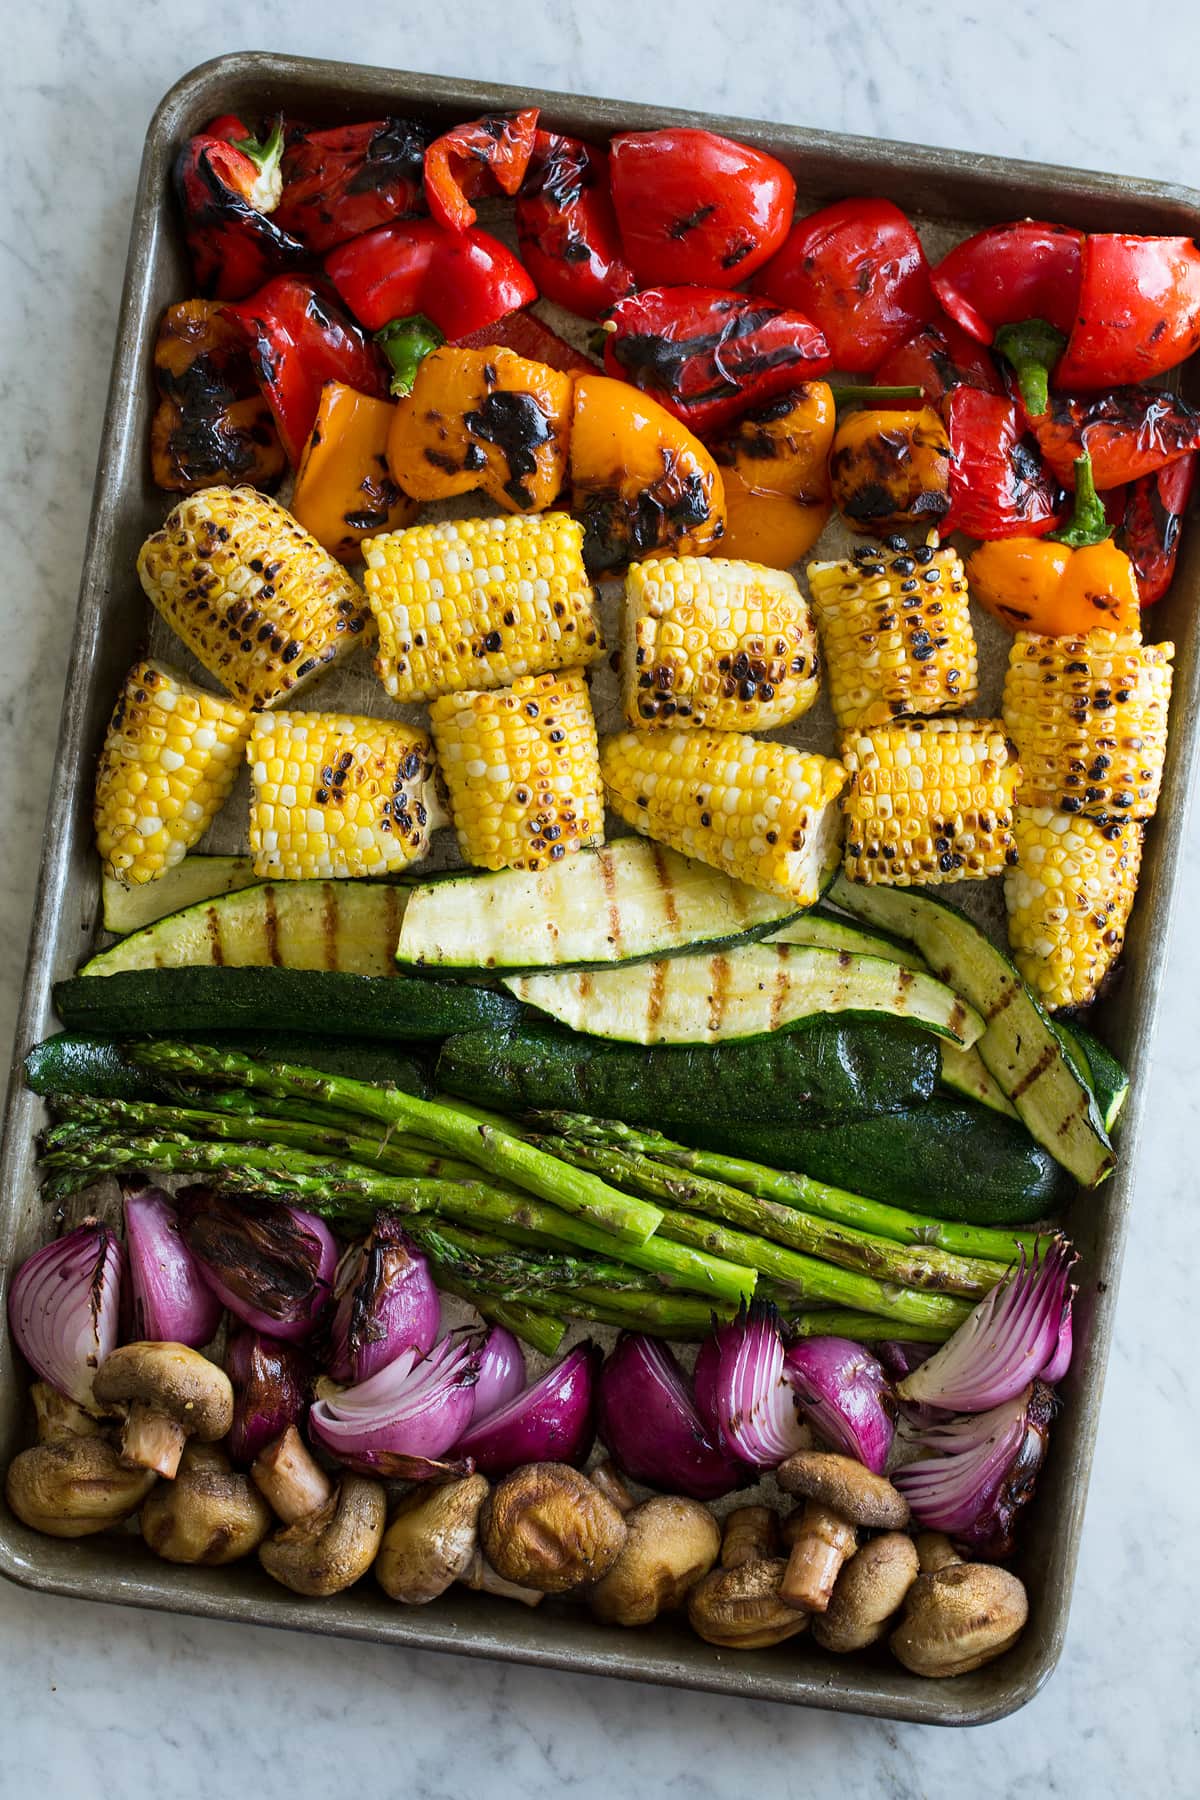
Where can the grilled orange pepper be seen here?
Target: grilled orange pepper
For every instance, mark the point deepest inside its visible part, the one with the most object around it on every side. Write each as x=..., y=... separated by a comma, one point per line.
x=642, y=484
x=344, y=491
x=1031, y=584
x=212, y=426
x=891, y=469
x=775, y=466
x=485, y=419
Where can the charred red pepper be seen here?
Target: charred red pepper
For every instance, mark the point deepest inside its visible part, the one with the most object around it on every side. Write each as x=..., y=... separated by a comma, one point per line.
x=1138, y=313
x=1128, y=433
x=567, y=228
x=339, y=183
x=485, y=156
x=1151, y=522
x=858, y=269
x=463, y=280
x=708, y=355
x=695, y=207
x=999, y=486
x=299, y=339
x=533, y=339
x=226, y=188
x=938, y=359
x=1010, y=273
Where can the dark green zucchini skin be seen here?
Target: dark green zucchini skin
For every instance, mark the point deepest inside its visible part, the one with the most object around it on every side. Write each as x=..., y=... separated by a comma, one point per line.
x=71, y=1063
x=956, y=1160
x=829, y=1070
x=174, y=1002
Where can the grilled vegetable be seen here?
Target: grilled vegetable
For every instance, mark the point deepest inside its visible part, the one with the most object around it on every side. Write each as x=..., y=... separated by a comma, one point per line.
x=1069, y=900
x=344, y=490
x=522, y=770
x=483, y=419
x=448, y=622
x=762, y=812
x=710, y=642
x=938, y=358
x=641, y=482
x=896, y=632
x=170, y=756
x=774, y=466
x=350, y=179
x=463, y=280
x=1151, y=523
x=484, y=156
x=127, y=909
x=1109, y=1081
x=1010, y=273
x=227, y=182
x=629, y=900
x=1138, y=311
x=334, y=795
x=1089, y=716
x=1127, y=433
x=890, y=470
x=999, y=485
x=100, y=1068
x=567, y=229
x=254, y=598
x=212, y=424
x=1031, y=584
x=929, y=800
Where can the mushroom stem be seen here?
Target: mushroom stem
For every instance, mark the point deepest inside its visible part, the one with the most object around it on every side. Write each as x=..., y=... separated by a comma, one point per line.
x=59, y=1417
x=751, y=1533
x=935, y=1551
x=480, y=1576
x=822, y=1545
x=290, y=1477
x=152, y=1440
x=608, y=1478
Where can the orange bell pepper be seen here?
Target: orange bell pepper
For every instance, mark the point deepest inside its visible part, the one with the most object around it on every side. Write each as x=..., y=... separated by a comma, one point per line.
x=1031, y=584
x=775, y=466
x=891, y=470
x=344, y=492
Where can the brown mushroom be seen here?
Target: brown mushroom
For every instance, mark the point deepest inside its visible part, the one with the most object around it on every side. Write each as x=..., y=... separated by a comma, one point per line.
x=671, y=1543
x=737, y=1605
x=74, y=1487
x=331, y=1548
x=173, y=1393
x=210, y=1513
x=958, y=1617
x=545, y=1526
x=59, y=1417
x=291, y=1478
x=432, y=1541
x=751, y=1533
x=867, y=1593
x=841, y=1495
x=612, y=1484
x=935, y=1551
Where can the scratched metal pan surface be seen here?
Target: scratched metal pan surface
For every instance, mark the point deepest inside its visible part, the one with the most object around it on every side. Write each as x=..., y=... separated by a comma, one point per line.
x=944, y=189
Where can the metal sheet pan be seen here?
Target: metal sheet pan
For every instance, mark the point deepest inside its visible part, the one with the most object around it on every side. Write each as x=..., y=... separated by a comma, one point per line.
x=957, y=189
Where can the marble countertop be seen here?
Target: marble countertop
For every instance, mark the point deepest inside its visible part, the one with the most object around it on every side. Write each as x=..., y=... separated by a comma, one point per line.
x=104, y=1700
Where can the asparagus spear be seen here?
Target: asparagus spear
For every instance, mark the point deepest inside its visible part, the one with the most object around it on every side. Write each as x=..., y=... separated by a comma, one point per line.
x=862, y=1327
x=492, y=1264
x=540, y=1330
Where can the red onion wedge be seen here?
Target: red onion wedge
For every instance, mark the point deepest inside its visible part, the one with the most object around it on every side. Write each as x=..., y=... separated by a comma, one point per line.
x=171, y=1301
x=270, y=1390
x=63, y=1307
x=552, y=1421
x=843, y=1392
x=384, y=1302
x=981, y=1470
x=271, y=1265
x=752, y=1398
x=501, y=1373
x=403, y=1419
x=653, y=1427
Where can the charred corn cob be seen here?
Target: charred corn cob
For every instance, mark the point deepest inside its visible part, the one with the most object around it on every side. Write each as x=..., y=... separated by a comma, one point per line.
x=521, y=770
x=930, y=800
x=1069, y=901
x=717, y=643
x=334, y=795
x=255, y=599
x=477, y=603
x=764, y=813
x=169, y=760
x=896, y=633
x=1089, y=716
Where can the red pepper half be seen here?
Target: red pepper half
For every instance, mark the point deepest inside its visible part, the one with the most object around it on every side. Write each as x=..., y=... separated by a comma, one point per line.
x=938, y=359
x=339, y=183
x=485, y=156
x=1149, y=528
x=999, y=486
x=532, y=338
x=567, y=228
x=695, y=207
x=1128, y=433
x=226, y=190
x=463, y=280
x=1010, y=273
x=299, y=339
x=708, y=355
x=1139, y=310
x=858, y=269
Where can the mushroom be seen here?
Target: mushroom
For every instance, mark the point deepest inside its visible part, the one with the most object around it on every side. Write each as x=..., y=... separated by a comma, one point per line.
x=545, y=1526
x=751, y=1533
x=671, y=1543
x=173, y=1393
x=59, y=1417
x=612, y=1484
x=738, y=1606
x=958, y=1615
x=867, y=1593
x=74, y=1487
x=432, y=1541
x=935, y=1551
x=289, y=1475
x=841, y=1495
x=209, y=1514
x=332, y=1547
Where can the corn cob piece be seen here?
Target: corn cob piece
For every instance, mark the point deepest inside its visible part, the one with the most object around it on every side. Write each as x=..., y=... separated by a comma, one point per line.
x=717, y=643
x=522, y=770
x=930, y=800
x=335, y=796
x=763, y=812
x=170, y=757
x=896, y=633
x=1069, y=901
x=1089, y=716
x=477, y=603
x=253, y=596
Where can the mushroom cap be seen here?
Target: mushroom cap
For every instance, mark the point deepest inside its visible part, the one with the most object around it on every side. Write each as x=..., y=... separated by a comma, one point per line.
x=332, y=1547
x=431, y=1540
x=671, y=1543
x=75, y=1487
x=545, y=1526
x=171, y=1379
x=845, y=1487
x=869, y=1589
x=58, y=1416
x=740, y=1608
x=209, y=1514
x=751, y=1533
x=960, y=1617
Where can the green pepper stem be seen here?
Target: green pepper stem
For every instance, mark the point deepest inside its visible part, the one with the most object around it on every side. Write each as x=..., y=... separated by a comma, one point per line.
x=406, y=343
x=1089, y=521
x=851, y=392
x=1032, y=347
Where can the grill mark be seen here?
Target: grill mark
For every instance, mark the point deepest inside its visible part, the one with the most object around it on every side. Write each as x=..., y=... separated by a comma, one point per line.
x=329, y=924
x=657, y=994
x=1048, y=1057
x=958, y=1018
x=1006, y=999
x=271, y=927
x=720, y=989
x=779, y=994
x=666, y=887
x=212, y=924
x=608, y=877
x=904, y=981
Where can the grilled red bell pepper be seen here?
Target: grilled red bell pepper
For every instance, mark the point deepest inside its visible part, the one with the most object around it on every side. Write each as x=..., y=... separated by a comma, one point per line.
x=1150, y=524
x=938, y=359
x=1010, y=273
x=484, y=156
x=858, y=269
x=567, y=228
x=463, y=280
x=226, y=188
x=708, y=355
x=695, y=207
x=339, y=183
x=1127, y=433
x=299, y=339
x=532, y=338
x=999, y=486
x=1138, y=313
